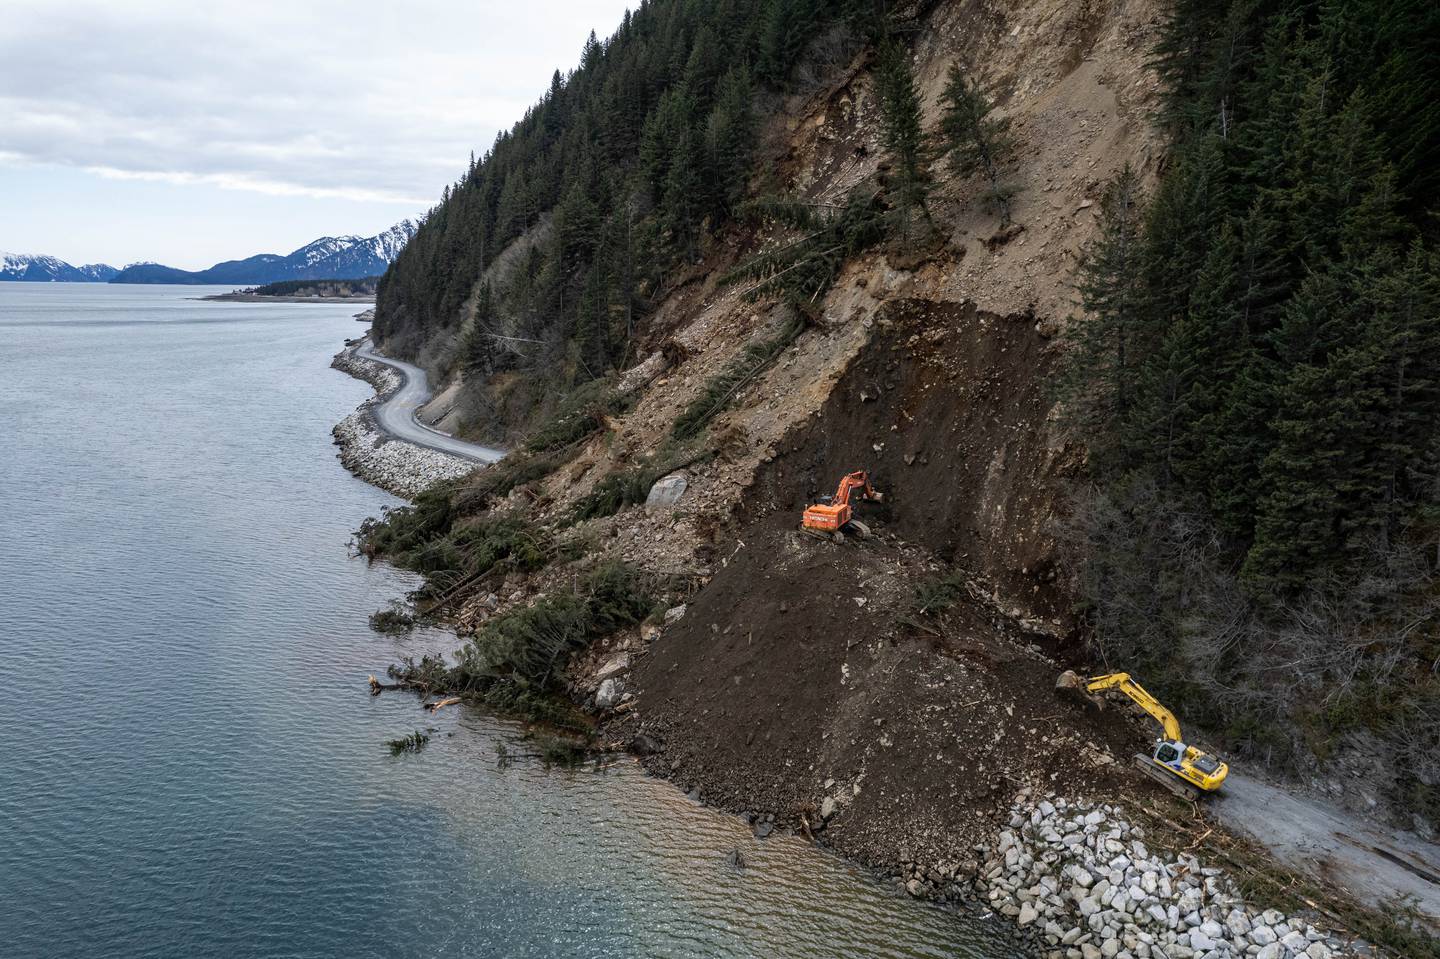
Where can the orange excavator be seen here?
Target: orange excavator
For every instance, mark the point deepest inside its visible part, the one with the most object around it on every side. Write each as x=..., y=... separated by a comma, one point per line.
x=833, y=513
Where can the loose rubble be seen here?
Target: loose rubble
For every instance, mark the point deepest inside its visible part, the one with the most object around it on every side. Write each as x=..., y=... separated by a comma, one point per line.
x=397, y=466
x=1083, y=881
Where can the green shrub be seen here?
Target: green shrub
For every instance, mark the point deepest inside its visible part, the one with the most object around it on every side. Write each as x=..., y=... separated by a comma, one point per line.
x=802, y=271
x=394, y=620
x=581, y=414
x=938, y=594
x=515, y=661
x=404, y=529
x=614, y=493
x=722, y=388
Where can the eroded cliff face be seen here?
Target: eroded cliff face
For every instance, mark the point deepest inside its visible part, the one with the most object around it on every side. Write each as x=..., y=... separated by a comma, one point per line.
x=930, y=368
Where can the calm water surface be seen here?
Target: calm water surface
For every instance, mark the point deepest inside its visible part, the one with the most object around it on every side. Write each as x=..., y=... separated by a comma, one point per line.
x=193, y=765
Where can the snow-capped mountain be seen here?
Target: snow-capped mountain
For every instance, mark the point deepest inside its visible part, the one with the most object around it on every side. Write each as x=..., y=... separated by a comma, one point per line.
x=49, y=269
x=328, y=258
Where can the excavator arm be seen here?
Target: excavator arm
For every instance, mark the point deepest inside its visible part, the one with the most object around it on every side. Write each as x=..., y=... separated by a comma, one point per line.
x=1135, y=691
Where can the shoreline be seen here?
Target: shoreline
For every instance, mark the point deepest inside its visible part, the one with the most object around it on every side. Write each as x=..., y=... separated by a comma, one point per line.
x=257, y=298
x=366, y=450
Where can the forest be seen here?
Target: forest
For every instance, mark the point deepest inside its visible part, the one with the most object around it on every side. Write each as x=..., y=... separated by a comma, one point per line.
x=362, y=286
x=1258, y=379
x=621, y=174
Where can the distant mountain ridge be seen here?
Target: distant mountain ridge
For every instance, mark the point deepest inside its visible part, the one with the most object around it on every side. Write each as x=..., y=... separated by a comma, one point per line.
x=328, y=258
x=49, y=269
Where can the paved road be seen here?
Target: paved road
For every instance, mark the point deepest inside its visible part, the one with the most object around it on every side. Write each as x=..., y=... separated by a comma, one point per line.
x=396, y=415
x=1372, y=862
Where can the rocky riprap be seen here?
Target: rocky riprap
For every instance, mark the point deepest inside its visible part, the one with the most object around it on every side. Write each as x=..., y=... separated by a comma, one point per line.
x=1083, y=881
x=395, y=465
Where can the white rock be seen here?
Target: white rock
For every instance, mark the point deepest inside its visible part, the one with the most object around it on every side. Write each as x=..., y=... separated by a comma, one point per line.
x=1027, y=914
x=667, y=491
x=608, y=696
x=616, y=665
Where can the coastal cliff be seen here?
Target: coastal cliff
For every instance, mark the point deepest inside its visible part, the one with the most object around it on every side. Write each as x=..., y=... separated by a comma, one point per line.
x=897, y=243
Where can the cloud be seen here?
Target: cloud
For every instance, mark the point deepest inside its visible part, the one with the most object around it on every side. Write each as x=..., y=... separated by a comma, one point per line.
x=364, y=100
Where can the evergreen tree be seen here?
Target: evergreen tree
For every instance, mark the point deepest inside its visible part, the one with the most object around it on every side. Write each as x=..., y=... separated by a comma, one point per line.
x=1105, y=346
x=478, y=354
x=974, y=138
x=730, y=135
x=909, y=180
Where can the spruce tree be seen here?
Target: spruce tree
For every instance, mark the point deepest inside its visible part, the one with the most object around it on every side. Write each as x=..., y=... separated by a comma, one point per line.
x=730, y=135
x=479, y=346
x=974, y=138
x=1104, y=346
x=909, y=180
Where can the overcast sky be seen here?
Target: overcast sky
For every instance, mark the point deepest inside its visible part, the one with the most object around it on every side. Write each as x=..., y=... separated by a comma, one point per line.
x=192, y=132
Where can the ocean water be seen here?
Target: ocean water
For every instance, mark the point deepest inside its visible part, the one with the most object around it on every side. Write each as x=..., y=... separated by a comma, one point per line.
x=192, y=763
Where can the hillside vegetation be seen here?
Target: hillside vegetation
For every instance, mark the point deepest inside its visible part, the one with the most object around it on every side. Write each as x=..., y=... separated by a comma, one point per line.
x=1258, y=380
x=1135, y=310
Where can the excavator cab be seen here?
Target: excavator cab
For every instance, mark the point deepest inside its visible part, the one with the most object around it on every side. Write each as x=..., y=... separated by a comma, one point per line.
x=1169, y=753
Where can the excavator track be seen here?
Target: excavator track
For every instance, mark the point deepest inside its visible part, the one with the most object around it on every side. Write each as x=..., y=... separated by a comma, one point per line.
x=1170, y=781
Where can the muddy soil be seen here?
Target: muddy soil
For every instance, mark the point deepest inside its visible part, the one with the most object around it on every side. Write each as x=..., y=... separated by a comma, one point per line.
x=804, y=672
x=794, y=677
x=947, y=410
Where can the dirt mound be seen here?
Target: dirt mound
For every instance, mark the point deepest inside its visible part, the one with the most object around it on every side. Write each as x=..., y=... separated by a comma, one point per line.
x=792, y=679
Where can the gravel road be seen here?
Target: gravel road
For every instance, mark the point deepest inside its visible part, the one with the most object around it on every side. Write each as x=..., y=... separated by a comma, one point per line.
x=396, y=415
x=1373, y=863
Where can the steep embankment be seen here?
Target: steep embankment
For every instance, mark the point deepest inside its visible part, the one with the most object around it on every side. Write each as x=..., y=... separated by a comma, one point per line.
x=893, y=695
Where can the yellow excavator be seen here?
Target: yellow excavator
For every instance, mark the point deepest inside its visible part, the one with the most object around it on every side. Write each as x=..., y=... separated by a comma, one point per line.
x=1184, y=770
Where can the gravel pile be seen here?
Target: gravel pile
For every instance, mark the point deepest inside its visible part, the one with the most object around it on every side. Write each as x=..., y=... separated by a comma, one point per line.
x=1083, y=881
x=395, y=465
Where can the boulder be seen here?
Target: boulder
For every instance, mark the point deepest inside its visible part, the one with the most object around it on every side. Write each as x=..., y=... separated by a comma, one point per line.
x=667, y=491
x=616, y=665
x=608, y=696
